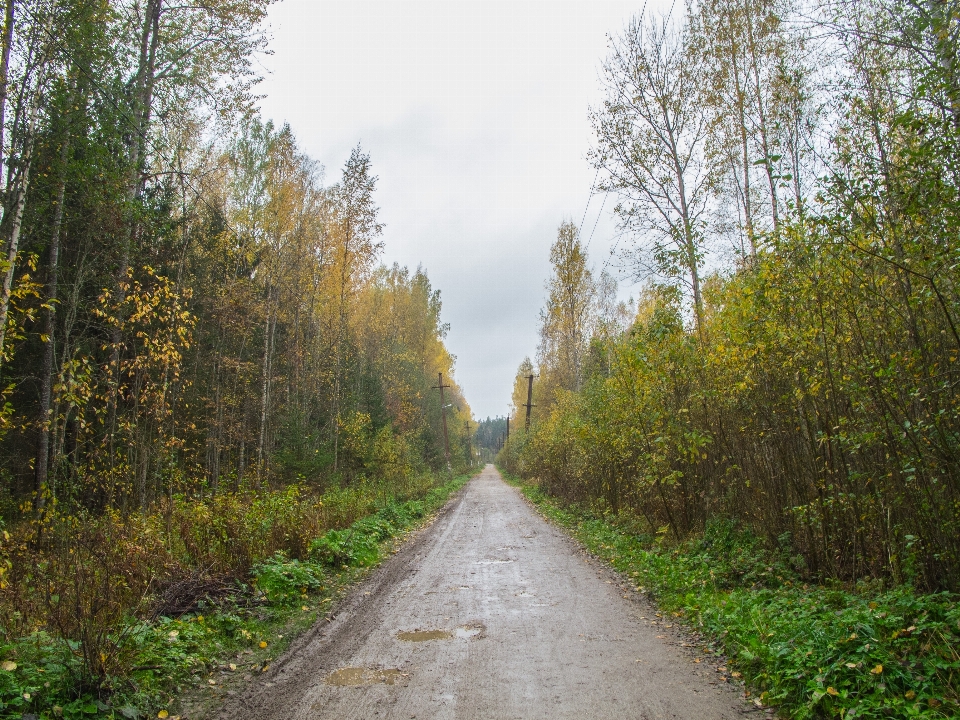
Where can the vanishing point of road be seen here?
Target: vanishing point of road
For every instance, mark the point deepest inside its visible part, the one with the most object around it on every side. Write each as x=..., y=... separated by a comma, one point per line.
x=490, y=613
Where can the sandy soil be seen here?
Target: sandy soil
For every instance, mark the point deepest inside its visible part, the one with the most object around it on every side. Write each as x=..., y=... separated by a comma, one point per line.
x=491, y=613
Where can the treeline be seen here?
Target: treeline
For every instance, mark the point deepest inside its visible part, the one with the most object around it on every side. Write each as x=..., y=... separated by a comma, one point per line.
x=789, y=176
x=188, y=306
x=489, y=432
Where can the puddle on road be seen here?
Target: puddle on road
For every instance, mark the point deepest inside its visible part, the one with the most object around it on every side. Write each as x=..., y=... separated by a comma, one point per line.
x=469, y=632
x=424, y=635
x=464, y=632
x=352, y=676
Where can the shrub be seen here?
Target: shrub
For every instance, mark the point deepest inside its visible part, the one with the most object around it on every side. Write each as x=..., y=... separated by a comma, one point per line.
x=345, y=547
x=283, y=581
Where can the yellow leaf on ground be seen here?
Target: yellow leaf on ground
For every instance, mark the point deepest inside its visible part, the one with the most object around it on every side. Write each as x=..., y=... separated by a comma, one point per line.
x=263, y=643
x=8, y=665
x=163, y=714
x=832, y=691
x=877, y=670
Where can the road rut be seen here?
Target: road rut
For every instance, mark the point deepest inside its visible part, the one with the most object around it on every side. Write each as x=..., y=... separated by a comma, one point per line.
x=490, y=613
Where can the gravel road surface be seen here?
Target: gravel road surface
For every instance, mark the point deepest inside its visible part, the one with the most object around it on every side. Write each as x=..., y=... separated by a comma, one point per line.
x=490, y=613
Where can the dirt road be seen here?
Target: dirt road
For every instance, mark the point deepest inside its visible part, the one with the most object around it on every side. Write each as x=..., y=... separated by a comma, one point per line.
x=489, y=613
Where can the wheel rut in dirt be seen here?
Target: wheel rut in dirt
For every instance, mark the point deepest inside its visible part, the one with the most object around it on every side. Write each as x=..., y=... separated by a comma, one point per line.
x=490, y=613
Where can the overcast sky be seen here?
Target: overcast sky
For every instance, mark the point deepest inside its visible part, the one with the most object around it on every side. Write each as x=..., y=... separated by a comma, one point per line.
x=475, y=117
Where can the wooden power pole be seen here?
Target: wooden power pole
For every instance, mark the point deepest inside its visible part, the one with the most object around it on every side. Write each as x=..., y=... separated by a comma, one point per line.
x=443, y=418
x=466, y=426
x=529, y=400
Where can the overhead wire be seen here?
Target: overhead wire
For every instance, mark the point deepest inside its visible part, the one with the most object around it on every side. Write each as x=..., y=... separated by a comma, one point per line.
x=593, y=186
x=618, y=236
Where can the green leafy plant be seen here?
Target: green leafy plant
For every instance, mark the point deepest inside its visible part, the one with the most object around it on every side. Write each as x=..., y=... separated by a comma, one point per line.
x=813, y=651
x=283, y=580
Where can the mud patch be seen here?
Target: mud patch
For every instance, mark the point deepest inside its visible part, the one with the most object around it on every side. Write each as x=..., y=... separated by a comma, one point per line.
x=354, y=677
x=424, y=635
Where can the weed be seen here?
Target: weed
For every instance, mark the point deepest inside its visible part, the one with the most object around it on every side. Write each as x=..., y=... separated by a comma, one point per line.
x=102, y=651
x=813, y=651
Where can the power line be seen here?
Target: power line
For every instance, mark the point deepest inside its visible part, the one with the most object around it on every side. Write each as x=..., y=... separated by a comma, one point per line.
x=595, y=222
x=593, y=186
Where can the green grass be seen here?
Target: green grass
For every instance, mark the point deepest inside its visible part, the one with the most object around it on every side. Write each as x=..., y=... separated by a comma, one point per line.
x=171, y=661
x=809, y=650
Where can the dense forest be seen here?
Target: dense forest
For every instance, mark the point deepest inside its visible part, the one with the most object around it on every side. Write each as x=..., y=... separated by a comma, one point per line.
x=202, y=360
x=787, y=187
x=490, y=433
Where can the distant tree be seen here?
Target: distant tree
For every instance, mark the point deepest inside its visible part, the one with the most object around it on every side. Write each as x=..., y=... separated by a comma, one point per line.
x=566, y=323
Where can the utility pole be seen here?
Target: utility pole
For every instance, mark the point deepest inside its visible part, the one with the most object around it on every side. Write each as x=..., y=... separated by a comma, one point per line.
x=529, y=400
x=466, y=426
x=443, y=417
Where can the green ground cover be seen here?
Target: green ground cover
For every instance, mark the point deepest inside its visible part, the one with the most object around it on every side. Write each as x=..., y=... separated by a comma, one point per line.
x=811, y=651
x=167, y=663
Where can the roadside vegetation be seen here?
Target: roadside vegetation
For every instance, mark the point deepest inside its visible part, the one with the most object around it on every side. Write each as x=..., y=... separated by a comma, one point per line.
x=769, y=435
x=811, y=651
x=131, y=617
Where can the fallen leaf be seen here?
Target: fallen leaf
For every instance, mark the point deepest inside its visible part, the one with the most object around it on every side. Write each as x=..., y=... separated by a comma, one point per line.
x=877, y=670
x=851, y=665
x=233, y=666
x=909, y=694
x=832, y=691
x=8, y=665
x=263, y=643
x=163, y=714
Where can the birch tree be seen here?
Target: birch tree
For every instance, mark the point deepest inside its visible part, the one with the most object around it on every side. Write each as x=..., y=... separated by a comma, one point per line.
x=651, y=133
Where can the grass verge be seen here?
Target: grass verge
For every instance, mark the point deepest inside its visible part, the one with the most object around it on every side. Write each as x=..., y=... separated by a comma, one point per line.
x=809, y=650
x=184, y=663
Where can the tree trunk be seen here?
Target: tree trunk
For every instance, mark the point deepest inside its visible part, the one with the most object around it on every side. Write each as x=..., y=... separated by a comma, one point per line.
x=143, y=100
x=762, y=117
x=744, y=143
x=268, y=332
x=4, y=72
x=46, y=368
x=13, y=241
